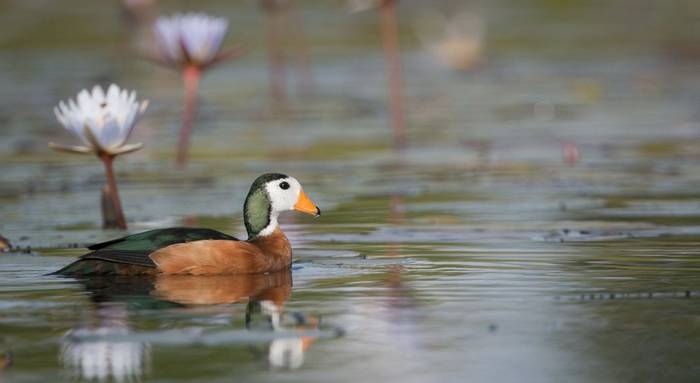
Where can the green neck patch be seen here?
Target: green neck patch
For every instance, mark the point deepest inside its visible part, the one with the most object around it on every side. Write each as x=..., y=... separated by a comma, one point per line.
x=256, y=212
x=257, y=207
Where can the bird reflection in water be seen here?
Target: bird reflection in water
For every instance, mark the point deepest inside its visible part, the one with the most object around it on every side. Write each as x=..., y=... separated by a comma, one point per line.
x=284, y=352
x=104, y=346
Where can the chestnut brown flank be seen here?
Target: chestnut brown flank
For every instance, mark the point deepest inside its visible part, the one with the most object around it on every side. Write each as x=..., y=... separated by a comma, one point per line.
x=263, y=254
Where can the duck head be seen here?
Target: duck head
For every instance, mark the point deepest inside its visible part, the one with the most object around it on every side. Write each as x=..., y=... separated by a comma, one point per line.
x=271, y=194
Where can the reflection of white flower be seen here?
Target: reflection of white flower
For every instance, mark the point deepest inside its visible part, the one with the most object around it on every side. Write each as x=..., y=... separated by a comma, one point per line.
x=103, y=122
x=102, y=360
x=190, y=39
x=286, y=353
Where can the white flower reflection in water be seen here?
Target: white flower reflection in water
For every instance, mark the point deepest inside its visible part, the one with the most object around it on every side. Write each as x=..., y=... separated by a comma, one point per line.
x=102, y=359
x=286, y=353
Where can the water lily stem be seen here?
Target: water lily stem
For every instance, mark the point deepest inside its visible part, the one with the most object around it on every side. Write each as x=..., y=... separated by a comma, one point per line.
x=191, y=76
x=392, y=58
x=107, y=160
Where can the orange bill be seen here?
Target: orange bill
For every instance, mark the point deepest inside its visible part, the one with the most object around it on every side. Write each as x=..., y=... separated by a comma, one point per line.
x=305, y=205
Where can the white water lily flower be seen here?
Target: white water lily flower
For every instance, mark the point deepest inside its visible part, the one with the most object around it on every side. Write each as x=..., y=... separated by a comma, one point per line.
x=103, y=122
x=190, y=39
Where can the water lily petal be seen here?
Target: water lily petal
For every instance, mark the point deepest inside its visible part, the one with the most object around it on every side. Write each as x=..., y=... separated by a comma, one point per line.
x=202, y=36
x=167, y=37
x=73, y=118
x=85, y=103
x=127, y=148
x=112, y=93
x=70, y=148
x=110, y=135
x=94, y=143
x=118, y=109
x=98, y=95
x=59, y=114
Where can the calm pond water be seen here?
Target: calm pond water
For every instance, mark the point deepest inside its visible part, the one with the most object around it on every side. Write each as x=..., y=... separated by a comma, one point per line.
x=477, y=254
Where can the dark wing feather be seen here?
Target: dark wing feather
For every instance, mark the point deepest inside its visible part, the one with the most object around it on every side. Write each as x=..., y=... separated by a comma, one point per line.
x=130, y=257
x=135, y=249
x=153, y=240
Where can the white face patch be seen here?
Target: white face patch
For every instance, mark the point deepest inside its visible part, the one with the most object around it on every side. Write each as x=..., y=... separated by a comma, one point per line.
x=283, y=199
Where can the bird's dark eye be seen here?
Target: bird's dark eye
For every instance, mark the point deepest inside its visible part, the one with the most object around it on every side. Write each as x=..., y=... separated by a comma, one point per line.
x=284, y=185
